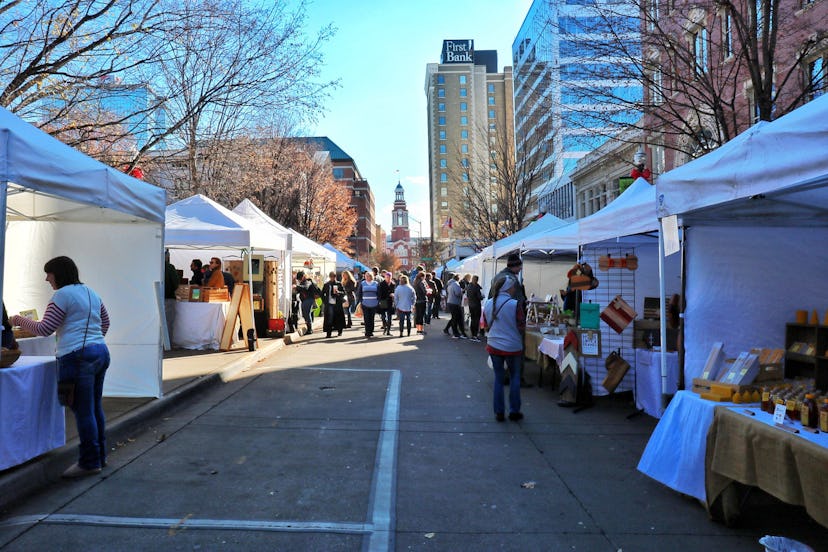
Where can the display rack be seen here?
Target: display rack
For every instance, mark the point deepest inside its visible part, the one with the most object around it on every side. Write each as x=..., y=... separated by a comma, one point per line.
x=615, y=281
x=807, y=364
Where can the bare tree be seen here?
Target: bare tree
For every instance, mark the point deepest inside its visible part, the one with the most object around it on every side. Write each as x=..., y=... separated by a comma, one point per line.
x=700, y=72
x=497, y=185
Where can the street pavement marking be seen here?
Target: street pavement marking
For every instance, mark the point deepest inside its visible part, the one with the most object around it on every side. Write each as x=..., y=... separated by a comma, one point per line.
x=380, y=529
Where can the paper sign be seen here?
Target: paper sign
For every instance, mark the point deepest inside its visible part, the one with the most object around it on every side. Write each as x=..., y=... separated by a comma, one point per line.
x=779, y=414
x=591, y=343
x=669, y=229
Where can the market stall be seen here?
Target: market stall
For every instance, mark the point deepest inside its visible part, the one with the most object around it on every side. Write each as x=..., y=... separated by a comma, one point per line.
x=200, y=224
x=58, y=201
x=754, y=219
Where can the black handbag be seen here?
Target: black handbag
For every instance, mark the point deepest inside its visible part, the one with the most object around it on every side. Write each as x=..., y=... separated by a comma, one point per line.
x=66, y=393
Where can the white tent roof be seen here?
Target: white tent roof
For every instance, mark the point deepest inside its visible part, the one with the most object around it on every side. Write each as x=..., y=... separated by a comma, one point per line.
x=562, y=238
x=49, y=180
x=61, y=202
x=774, y=171
x=633, y=212
x=200, y=222
x=301, y=246
x=545, y=224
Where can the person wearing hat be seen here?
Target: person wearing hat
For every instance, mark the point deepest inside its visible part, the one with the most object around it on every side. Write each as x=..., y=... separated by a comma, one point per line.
x=514, y=264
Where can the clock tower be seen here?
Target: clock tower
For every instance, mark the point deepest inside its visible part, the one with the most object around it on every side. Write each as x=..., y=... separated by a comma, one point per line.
x=399, y=217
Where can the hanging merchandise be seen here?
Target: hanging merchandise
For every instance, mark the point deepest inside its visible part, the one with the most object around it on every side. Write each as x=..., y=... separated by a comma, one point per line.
x=589, y=316
x=629, y=261
x=616, y=370
x=618, y=314
x=581, y=277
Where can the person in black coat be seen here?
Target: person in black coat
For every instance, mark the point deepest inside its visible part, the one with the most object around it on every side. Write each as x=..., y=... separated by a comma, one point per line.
x=333, y=294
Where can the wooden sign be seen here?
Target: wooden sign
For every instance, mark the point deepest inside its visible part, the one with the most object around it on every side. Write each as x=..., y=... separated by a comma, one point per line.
x=240, y=306
x=606, y=262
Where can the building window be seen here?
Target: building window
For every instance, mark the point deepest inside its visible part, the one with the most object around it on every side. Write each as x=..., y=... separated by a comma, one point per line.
x=816, y=77
x=444, y=204
x=441, y=107
x=656, y=87
x=339, y=173
x=491, y=100
x=441, y=92
x=464, y=162
x=491, y=88
x=441, y=121
x=443, y=191
x=700, y=45
x=492, y=114
x=464, y=134
x=442, y=135
x=442, y=148
x=464, y=107
x=492, y=127
x=727, y=34
x=463, y=93
x=441, y=79
x=462, y=79
x=443, y=177
x=465, y=177
x=464, y=120
x=464, y=148
x=443, y=163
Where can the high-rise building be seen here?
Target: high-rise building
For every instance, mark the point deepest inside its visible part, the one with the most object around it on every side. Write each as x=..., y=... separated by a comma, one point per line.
x=560, y=66
x=468, y=102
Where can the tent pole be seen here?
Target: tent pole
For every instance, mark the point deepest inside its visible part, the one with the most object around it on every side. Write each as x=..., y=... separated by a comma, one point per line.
x=4, y=189
x=680, y=345
x=662, y=314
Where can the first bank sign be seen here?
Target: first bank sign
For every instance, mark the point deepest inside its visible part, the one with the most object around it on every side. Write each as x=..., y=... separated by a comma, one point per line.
x=458, y=51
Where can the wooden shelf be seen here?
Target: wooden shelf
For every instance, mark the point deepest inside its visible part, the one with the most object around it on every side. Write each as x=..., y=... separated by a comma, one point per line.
x=812, y=366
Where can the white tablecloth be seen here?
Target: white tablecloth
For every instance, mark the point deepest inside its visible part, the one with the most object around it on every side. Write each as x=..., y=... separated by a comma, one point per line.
x=648, y=380
x=553, y=348
x=38, y=346
x=31, y=419
x=198, y=325
x=675, y=452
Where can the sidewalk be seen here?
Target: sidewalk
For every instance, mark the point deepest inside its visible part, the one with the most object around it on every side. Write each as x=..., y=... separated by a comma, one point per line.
x=185, y=373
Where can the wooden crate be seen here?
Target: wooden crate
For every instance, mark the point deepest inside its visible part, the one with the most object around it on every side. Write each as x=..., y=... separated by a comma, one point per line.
x=214, y=295
x=717, y=391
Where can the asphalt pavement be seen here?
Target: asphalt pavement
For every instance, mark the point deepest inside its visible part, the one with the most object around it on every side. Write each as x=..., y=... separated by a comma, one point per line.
x=351, y=443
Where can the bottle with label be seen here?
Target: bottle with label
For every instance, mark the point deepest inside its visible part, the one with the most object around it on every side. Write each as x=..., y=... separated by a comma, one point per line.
x=766, y=400
x=809, y=413
x=823, y=416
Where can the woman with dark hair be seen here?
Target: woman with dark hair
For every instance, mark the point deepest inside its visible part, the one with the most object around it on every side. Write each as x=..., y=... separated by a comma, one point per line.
x=421, y=293
x=79, y=318
x=349, y=284
x=333, y=295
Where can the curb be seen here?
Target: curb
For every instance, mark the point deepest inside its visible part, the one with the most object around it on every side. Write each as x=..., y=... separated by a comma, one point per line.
x=46, y=469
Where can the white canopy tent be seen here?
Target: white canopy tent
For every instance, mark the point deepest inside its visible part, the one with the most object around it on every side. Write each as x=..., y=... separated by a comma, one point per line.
x=755, y=219
x=343, y=261
x=57, y=201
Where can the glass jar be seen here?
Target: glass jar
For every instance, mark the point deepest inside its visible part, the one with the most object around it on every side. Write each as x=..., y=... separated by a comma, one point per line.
x=809, y=413
x=823, y=416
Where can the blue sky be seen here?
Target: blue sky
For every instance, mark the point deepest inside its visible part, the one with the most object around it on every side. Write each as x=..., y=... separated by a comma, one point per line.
x=380, y=52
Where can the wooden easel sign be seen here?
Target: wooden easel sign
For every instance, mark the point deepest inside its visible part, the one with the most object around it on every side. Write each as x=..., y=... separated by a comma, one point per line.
x=241, y=306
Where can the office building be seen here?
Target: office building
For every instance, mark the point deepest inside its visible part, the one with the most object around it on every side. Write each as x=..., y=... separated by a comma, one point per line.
x=468, y=103
x=559, y=67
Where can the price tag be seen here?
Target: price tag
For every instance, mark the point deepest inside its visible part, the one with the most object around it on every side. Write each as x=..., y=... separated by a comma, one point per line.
x=779, y=414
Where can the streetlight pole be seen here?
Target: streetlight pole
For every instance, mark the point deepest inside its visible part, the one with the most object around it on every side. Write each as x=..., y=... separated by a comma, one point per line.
x=419, y=238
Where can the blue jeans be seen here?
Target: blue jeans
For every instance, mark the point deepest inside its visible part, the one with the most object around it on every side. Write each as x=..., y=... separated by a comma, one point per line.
x=513, y=363
x=87, y=368
x=307, y=306
x=368, y=316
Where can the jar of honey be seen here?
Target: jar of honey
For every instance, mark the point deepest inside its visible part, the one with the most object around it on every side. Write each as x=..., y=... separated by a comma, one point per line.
x=809, y=413
x=823, y=416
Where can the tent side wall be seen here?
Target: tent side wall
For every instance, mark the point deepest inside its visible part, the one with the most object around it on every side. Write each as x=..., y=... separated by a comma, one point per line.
x=118, y=261
x=745, y=283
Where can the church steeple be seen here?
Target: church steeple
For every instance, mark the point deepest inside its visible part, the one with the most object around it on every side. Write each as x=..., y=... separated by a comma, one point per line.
x=399, y=216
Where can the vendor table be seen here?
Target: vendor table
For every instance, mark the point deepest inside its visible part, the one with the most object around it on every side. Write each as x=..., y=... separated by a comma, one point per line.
x=538, y=347
x=675, y=452
x=749, y=449
x=38, y=345
x=648, y=380
x=31, y=419
x=198, y=325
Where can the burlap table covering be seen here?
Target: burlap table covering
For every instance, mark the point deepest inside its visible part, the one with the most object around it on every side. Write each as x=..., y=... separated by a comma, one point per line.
x=744, y=449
